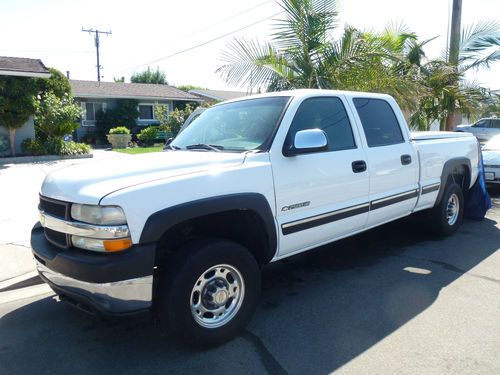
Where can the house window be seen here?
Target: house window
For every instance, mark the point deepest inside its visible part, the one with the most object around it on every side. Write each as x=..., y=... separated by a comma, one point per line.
x=91, y=112
x=146, y=112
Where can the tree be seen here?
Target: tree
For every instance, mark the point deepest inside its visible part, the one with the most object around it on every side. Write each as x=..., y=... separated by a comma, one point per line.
x=190, y=87
x=17, y=104
x=125, y=113
x=302, y=54
x=119, y=80
x=56, y=116
x=57, y=84
x=448, y=90
x=149, y=76
x=172, y=122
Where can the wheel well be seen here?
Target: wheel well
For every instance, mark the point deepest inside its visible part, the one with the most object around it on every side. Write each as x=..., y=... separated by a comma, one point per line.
x=242, y=226
x=460, y=174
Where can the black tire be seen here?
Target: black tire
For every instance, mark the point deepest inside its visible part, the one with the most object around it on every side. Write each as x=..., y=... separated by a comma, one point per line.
x=440, y=221
x=186, y=268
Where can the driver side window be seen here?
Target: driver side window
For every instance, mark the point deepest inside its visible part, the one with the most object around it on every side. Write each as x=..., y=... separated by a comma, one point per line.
x=327, y=114
x=481, y=124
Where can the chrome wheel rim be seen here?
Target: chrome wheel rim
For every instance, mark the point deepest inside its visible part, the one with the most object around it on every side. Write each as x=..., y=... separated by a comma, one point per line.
x=452, y=209
x=217, y=296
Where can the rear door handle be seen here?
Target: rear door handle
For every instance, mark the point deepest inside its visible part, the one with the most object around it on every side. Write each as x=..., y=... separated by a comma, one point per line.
x=358, y=166
x=405, y=159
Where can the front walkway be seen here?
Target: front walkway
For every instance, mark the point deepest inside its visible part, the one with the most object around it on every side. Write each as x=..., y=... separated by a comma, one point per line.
x=19, y=187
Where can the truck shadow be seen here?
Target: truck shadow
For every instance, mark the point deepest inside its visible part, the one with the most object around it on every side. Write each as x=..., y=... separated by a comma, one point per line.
x=319, y=311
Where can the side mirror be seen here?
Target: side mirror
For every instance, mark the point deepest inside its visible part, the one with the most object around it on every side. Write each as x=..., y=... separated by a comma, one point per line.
x=169, y=141
x=307, y=141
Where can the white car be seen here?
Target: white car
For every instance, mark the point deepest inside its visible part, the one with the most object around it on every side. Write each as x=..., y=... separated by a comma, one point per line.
x=491, y=160
x=484, y=129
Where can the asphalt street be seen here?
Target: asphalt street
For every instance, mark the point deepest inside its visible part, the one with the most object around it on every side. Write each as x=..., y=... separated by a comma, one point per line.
x=394, y=300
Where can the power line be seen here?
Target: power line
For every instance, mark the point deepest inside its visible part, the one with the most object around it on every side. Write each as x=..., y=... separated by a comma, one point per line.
x=200, y=44
x=96, y=39
x=227, y=19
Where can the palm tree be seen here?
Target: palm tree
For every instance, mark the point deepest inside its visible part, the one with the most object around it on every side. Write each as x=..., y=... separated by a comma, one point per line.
x=302, y=54
x=448, y=91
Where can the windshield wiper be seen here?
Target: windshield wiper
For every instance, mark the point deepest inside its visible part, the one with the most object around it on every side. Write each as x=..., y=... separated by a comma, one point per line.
x=203, y=146
x=171, y=147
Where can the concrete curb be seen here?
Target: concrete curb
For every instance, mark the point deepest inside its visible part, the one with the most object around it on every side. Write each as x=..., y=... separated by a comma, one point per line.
x=33, y=159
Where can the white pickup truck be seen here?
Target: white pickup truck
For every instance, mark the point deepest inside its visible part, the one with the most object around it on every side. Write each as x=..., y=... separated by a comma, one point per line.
x=182, y=234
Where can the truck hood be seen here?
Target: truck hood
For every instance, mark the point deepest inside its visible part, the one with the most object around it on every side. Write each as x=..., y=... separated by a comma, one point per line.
x=89, y=182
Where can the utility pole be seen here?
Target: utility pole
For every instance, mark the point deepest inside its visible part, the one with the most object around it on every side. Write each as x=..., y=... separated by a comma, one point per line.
x=96, y=39
x=453, y=54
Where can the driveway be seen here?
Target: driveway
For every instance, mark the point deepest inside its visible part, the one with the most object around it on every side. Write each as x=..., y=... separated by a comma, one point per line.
x=393, y=300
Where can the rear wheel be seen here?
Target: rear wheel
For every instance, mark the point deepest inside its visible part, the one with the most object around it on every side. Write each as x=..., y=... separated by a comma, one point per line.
x=447, y=216
x=209, y=291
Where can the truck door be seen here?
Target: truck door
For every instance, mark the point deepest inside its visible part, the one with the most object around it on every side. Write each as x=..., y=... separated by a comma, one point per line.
x=323, y=195
x=392, y=160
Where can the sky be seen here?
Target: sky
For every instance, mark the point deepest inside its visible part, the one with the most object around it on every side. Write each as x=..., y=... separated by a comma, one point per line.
x=147, y=32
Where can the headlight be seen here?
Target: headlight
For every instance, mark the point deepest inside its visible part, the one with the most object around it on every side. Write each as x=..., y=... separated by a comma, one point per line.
x=100, y=215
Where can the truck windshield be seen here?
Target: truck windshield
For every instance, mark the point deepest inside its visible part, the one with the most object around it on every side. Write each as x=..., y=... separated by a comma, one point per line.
x=239, y=126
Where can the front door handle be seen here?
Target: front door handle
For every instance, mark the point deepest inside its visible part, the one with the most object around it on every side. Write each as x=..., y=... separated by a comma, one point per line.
x=358, y=166
x=405, y=159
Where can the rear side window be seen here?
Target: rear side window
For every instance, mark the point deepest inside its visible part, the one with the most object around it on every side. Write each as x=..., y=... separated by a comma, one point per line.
x=327, y=114
x=495, y=124
x=379, y=122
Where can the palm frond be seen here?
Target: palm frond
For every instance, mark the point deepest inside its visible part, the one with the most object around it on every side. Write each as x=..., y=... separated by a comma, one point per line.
x=254, y=64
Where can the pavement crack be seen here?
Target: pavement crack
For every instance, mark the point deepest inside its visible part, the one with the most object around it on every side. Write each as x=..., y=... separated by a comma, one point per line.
x=450, y=267
x=17, y=244
x=271, y=364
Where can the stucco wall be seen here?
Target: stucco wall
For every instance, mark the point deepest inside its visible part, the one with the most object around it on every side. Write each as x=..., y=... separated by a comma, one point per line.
x=26, y=131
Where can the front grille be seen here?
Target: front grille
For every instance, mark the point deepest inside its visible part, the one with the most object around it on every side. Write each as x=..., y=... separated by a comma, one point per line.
x=60, y=209
x=57, y=238
x=55, y=207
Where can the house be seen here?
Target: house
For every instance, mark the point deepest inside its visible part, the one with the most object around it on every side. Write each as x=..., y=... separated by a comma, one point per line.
x=214, y=96
x=95, y=97
x=20, y=67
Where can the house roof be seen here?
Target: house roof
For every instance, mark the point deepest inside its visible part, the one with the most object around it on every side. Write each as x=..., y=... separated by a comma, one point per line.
x=219, y=94
x=121, y=90
x=23, y=67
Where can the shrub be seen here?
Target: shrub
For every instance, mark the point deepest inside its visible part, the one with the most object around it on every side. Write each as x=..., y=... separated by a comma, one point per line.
x=33, y=147
x=54, y=146
x=119, y=130
x=148, y=135
x=124, y=113
x=57, y=146
x=56, y=117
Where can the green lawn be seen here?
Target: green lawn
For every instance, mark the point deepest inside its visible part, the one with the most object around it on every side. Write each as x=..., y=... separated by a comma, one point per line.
x=139, y=150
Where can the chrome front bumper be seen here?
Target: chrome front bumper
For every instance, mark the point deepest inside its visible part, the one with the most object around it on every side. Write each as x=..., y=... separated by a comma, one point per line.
x=112, y=298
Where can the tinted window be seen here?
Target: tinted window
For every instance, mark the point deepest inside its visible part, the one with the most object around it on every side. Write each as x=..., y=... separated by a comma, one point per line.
x=481, y=124
x=379, y=122
x=327, y=114
x=495, y=124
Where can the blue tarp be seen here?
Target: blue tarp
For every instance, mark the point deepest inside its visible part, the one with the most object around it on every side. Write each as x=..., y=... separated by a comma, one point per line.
x=478, y=201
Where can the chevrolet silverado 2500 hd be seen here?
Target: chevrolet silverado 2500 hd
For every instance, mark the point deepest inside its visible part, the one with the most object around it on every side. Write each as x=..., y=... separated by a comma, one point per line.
x=183, y=233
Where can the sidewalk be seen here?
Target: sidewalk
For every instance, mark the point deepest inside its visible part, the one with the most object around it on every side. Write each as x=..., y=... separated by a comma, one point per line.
x=19, y=187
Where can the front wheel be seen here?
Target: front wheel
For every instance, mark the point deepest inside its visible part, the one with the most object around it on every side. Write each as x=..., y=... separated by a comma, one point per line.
x=209, y=292
x=447, y=216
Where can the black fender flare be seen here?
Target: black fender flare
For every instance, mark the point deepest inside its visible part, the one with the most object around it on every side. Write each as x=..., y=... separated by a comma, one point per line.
x=448, y=170
x=160, y=222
